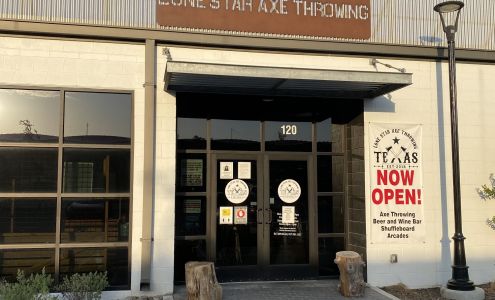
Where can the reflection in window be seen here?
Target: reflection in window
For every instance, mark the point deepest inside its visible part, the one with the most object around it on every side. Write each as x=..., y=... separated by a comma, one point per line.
x=190, y=216
x=235, y=135
x=191, y=173
x=187, y=250
x=29, y=116
x=96, y=170
x=330, y=136
x=30, y=261
x=28, y=169
x=84, y=260
x=288, y=136
x=327, y=247
x=330, y=173
x=331, y=214
x=82, y=173
x=19, y=224
x=95, y=220
x=97, y=118
x=191, y=133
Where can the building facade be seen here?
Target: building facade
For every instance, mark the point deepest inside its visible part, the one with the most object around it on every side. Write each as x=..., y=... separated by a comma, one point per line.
x=138, y=135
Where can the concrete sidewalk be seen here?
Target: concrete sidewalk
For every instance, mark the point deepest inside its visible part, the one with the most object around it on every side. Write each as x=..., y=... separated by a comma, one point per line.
x=285, y=290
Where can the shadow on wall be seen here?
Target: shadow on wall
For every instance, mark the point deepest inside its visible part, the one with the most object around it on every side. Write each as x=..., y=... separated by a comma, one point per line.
x=381, y=104
x=446, y=256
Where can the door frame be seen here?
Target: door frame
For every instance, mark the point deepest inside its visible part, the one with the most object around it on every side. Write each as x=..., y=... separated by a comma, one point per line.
x=312, y=201
x=263, y=270
x=211, y=242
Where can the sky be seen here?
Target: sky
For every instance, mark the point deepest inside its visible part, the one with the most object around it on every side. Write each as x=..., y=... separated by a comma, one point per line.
x=86, y=113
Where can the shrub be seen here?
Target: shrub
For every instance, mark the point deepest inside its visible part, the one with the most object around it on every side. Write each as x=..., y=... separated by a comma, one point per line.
x=488, y=192
x=83, y=286
x=36, y=286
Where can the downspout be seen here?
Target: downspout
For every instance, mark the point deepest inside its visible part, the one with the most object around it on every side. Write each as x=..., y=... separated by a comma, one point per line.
x=148, y=163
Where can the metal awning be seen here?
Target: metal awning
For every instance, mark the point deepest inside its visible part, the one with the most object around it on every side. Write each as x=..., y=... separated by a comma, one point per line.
x=277, y=81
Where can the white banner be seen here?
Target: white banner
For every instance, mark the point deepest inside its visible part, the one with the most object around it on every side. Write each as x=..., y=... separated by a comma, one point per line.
x=397, y=214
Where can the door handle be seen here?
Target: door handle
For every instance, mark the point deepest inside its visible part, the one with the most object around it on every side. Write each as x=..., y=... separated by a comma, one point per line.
x=259, y=215
x=269, y=211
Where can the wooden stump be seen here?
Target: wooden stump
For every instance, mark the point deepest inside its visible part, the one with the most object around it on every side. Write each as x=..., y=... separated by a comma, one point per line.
x=201, y=281
x=351, y=273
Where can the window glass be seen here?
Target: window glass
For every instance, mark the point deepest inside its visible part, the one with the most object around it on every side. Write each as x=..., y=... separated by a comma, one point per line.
x=288, y=136
x=330, y=173
x=191, y=173
x=29, y=116
x=327, y=247
x=97, y=118
x=187, y=250
x=96, y=170
x=95, y=220
x=190, y=216
x=27, y=220
x=191, y=133
x=235, y=135
x=84, y=260
x=331, y=214
x=28, y=169
x=329, y=136
x=31, y=261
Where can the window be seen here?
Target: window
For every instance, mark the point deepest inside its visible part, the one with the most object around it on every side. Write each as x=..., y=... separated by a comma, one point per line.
x=93, y=188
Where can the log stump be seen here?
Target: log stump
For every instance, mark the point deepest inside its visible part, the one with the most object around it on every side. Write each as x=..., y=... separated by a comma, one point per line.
x=350, y=266
x=201, y=281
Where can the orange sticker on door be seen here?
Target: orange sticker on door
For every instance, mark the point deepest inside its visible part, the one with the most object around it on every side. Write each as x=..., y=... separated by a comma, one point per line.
x=240, y=214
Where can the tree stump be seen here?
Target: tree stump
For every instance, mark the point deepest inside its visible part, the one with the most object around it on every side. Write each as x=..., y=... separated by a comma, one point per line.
x=350, y=266
x=201, y=281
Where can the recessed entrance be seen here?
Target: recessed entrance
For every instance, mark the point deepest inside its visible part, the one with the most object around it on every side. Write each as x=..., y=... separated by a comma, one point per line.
x=263, y=184
x=269, y=230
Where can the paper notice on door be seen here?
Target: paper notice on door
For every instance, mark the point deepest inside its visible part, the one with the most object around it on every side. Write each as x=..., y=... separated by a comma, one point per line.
x=226, y=170
x=244, y=170
x=226, y=214
x=288, y=213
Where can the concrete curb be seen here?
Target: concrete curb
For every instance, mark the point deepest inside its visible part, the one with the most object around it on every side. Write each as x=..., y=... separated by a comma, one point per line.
x=382, y=292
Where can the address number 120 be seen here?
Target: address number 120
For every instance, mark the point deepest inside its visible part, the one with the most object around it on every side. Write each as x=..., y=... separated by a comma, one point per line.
x=289, y=129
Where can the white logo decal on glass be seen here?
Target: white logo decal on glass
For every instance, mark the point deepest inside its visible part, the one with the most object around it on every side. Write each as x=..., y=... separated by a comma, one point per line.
x=236, y=191
x=289, y=191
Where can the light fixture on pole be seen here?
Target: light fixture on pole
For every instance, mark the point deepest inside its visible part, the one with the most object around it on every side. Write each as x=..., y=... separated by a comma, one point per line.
x=449, y=11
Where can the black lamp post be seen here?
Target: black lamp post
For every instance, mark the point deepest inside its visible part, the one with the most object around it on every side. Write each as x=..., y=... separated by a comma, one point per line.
x=460, y=276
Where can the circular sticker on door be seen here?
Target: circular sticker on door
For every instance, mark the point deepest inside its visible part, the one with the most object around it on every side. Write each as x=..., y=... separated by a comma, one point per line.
x=289, y=191
x=236, y=191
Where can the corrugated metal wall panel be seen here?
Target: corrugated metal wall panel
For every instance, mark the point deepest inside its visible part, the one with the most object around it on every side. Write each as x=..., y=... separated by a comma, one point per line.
x=399, y=22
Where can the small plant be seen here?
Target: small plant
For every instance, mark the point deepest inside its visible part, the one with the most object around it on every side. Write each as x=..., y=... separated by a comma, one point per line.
x=83, y=286
x=36, y=286
x=488, y=193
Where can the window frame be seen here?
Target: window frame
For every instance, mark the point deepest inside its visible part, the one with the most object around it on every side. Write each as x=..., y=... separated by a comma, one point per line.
x=59, y=194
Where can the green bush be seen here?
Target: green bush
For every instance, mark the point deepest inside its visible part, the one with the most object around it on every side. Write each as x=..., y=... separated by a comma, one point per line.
x=83, y=286
x=36, y=286
x=488, y=192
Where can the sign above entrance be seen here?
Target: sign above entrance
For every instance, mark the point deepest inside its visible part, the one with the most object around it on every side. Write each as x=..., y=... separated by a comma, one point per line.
x=315, y=18
x=289, y=191
x=236, y=191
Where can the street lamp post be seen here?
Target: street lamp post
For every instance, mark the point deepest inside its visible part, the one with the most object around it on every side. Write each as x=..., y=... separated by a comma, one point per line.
x=460, y=276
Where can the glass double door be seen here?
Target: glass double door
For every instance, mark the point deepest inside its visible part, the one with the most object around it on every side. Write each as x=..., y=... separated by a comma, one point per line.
x=261, y=226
